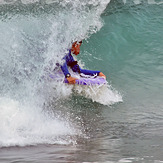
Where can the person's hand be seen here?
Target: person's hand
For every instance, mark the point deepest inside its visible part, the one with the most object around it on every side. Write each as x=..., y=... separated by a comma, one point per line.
x=71, y=80
x=102, y=75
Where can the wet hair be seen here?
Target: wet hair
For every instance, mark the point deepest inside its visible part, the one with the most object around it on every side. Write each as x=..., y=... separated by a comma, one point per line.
x=74, y=44
x=78, y=42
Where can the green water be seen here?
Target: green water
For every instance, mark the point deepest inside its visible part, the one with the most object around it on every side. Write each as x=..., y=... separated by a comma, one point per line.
x=42, y=121
x=129, y=50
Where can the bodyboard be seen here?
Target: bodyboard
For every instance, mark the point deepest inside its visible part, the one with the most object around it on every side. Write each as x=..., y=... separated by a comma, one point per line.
x=81, y=79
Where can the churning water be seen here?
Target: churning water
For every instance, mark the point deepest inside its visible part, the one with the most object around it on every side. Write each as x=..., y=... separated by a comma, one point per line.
x=45, y=121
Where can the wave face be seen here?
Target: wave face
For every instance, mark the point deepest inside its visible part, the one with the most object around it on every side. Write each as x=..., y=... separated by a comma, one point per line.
x=34, y=35
x=123, y=39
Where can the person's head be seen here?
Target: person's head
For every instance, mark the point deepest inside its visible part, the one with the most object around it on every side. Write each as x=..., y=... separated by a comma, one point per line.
x=76, y=47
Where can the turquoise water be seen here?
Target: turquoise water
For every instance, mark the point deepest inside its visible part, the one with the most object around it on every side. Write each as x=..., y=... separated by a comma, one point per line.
x=43, y=121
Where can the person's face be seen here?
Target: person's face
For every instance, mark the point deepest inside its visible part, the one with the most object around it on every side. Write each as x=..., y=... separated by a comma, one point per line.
x=76, y=48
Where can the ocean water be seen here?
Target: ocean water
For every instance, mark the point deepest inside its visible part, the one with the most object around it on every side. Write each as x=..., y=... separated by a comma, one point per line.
x=44, y=121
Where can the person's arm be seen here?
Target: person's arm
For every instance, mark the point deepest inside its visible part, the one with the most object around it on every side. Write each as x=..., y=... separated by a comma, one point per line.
x=77, y=68
x=89, y=72
x=92, y=73
x=70, y=79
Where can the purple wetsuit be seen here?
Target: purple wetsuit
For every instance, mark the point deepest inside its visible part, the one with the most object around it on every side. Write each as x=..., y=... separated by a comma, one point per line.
x=69, y=61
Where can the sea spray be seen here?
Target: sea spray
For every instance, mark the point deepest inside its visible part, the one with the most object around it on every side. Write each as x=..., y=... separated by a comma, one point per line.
x=27, y=125
x=103, y=94
x=34, y=37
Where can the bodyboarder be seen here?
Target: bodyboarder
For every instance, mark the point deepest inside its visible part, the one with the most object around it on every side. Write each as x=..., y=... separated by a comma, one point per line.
x=70, y=62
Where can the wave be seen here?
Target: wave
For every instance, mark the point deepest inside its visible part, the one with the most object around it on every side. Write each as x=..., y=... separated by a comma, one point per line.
x=34, y=35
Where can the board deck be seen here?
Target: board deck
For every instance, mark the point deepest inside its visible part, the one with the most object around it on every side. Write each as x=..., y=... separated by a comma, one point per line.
x=81, y=80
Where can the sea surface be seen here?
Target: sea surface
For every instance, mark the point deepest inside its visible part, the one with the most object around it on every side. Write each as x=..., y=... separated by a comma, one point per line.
x=44, y=121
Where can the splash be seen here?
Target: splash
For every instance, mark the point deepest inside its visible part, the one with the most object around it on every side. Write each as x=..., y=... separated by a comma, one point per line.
x=102, y=94
x=26, y=125
x=34, y=36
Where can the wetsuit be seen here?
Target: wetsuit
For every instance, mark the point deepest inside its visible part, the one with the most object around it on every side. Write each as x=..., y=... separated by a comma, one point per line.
x=69, y=61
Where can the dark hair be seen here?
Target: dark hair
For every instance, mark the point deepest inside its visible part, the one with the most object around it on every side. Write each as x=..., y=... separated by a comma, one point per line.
x=80, y=42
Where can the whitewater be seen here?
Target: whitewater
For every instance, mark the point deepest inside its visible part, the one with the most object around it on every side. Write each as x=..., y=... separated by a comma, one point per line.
x=46, y=121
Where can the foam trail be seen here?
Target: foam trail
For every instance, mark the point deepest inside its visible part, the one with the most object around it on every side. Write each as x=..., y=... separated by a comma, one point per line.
x=102, y=94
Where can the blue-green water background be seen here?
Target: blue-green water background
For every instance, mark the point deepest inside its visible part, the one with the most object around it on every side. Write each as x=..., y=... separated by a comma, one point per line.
x=130, y=44
x=126, y=45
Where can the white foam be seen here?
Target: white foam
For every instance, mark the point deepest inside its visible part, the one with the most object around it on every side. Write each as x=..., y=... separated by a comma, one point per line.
x=31, y=45
x=102, y=94
x=25, y=125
